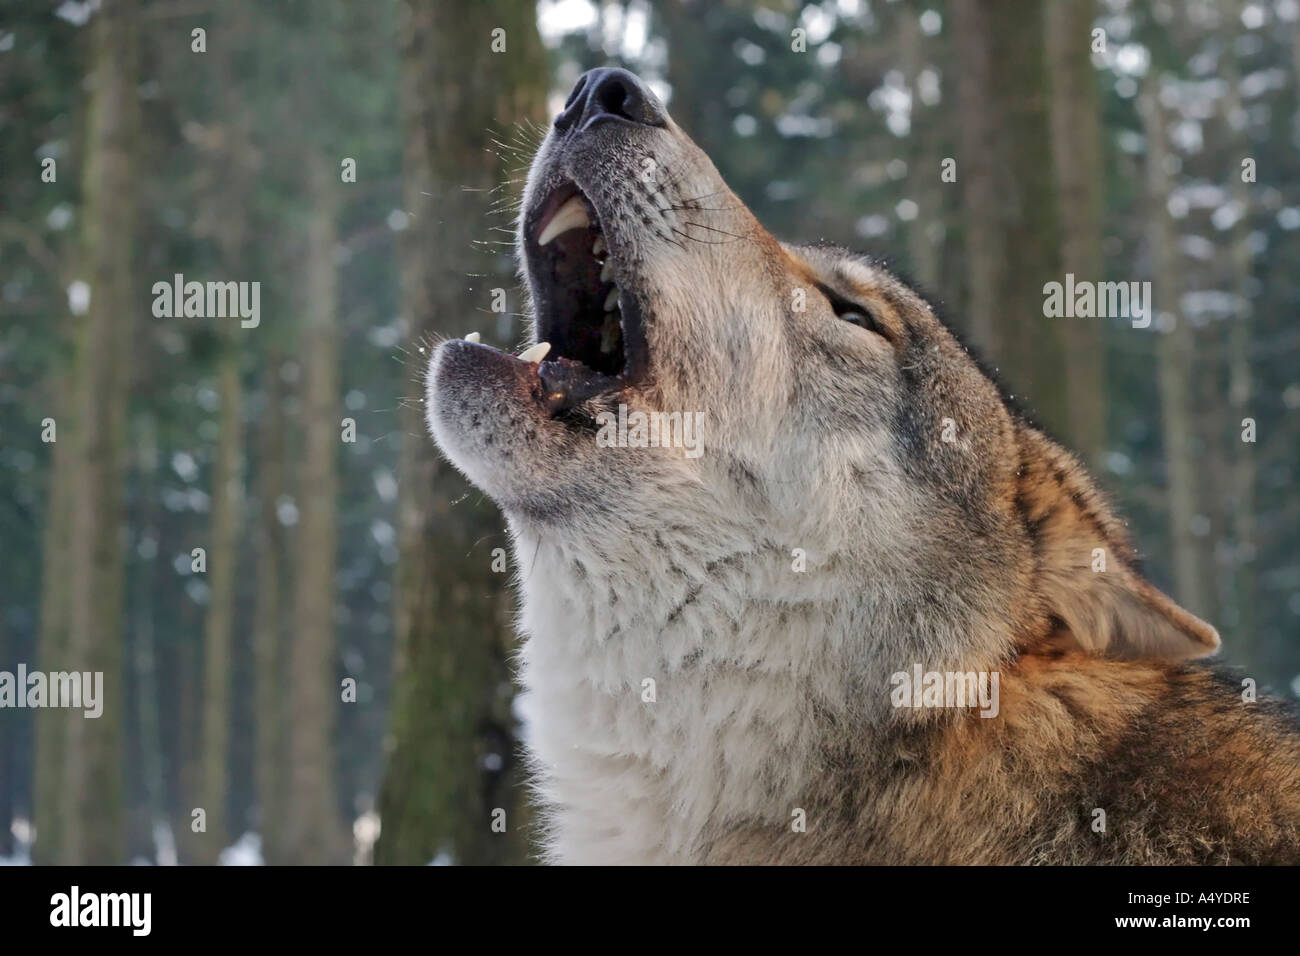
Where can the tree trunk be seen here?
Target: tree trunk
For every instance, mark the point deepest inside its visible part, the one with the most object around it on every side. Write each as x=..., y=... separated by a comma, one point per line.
x=91, y=824
x=151, y=814
x=226, y=180
x=450, y=758
x=222, y=548
x=925, y=233
x=314, y=833
x=695, y=107
x=268, y=624
x=1174, y=349
x=1005, y=173
x=1243, y=572
x=1076, y=150
x=49, y=809
x=977, y=173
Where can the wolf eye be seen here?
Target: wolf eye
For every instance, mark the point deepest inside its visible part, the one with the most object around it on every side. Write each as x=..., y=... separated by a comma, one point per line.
x=852, y=312
x=860, y=318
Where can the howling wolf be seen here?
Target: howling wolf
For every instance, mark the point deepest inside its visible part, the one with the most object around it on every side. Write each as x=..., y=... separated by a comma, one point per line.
x=728, y=656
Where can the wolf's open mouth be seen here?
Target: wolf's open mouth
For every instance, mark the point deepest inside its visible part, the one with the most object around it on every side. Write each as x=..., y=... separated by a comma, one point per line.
x=584, y=310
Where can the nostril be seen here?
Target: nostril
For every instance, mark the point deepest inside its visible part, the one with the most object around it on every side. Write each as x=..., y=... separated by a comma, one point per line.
x=613, y=97
x=613, y=93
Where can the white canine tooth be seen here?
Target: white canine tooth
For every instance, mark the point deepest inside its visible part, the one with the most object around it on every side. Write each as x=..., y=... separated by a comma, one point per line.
x=572, y=215
x=535, y=353
x=598, y=246
x=607, y=270
x=611, y=300
x=472, y=337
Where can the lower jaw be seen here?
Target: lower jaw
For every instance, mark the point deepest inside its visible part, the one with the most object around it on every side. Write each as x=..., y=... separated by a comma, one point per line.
x=567, y=382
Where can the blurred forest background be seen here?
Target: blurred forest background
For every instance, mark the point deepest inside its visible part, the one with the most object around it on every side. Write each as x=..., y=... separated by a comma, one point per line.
x=1116, y=156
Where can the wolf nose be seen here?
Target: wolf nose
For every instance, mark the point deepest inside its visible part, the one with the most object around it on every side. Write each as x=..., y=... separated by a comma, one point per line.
x=608, y=92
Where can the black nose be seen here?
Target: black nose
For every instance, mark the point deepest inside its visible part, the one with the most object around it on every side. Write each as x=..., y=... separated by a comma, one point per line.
x=605, y=93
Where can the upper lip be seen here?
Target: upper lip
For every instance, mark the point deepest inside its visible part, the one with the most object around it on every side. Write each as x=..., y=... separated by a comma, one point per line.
x=574, y=275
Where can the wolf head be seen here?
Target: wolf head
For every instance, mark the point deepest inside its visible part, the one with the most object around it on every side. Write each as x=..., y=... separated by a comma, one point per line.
x=841, y=427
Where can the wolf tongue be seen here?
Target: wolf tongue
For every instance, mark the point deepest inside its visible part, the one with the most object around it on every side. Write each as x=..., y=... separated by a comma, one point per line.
x=567, y=383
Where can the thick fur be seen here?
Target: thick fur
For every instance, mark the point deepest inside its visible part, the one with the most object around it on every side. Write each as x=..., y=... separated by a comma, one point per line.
x=866, y=502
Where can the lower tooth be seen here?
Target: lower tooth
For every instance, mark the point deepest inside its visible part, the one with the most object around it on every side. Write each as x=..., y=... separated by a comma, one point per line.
x=535, y=353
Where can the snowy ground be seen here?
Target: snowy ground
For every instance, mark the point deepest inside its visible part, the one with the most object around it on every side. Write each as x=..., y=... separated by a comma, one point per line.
x=246, y=851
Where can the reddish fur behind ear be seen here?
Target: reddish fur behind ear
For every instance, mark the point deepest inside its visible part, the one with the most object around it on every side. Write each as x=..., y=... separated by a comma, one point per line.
x=1086, y=575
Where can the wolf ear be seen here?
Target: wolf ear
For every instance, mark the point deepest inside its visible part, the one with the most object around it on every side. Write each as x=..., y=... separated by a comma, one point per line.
x=1087, y=577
